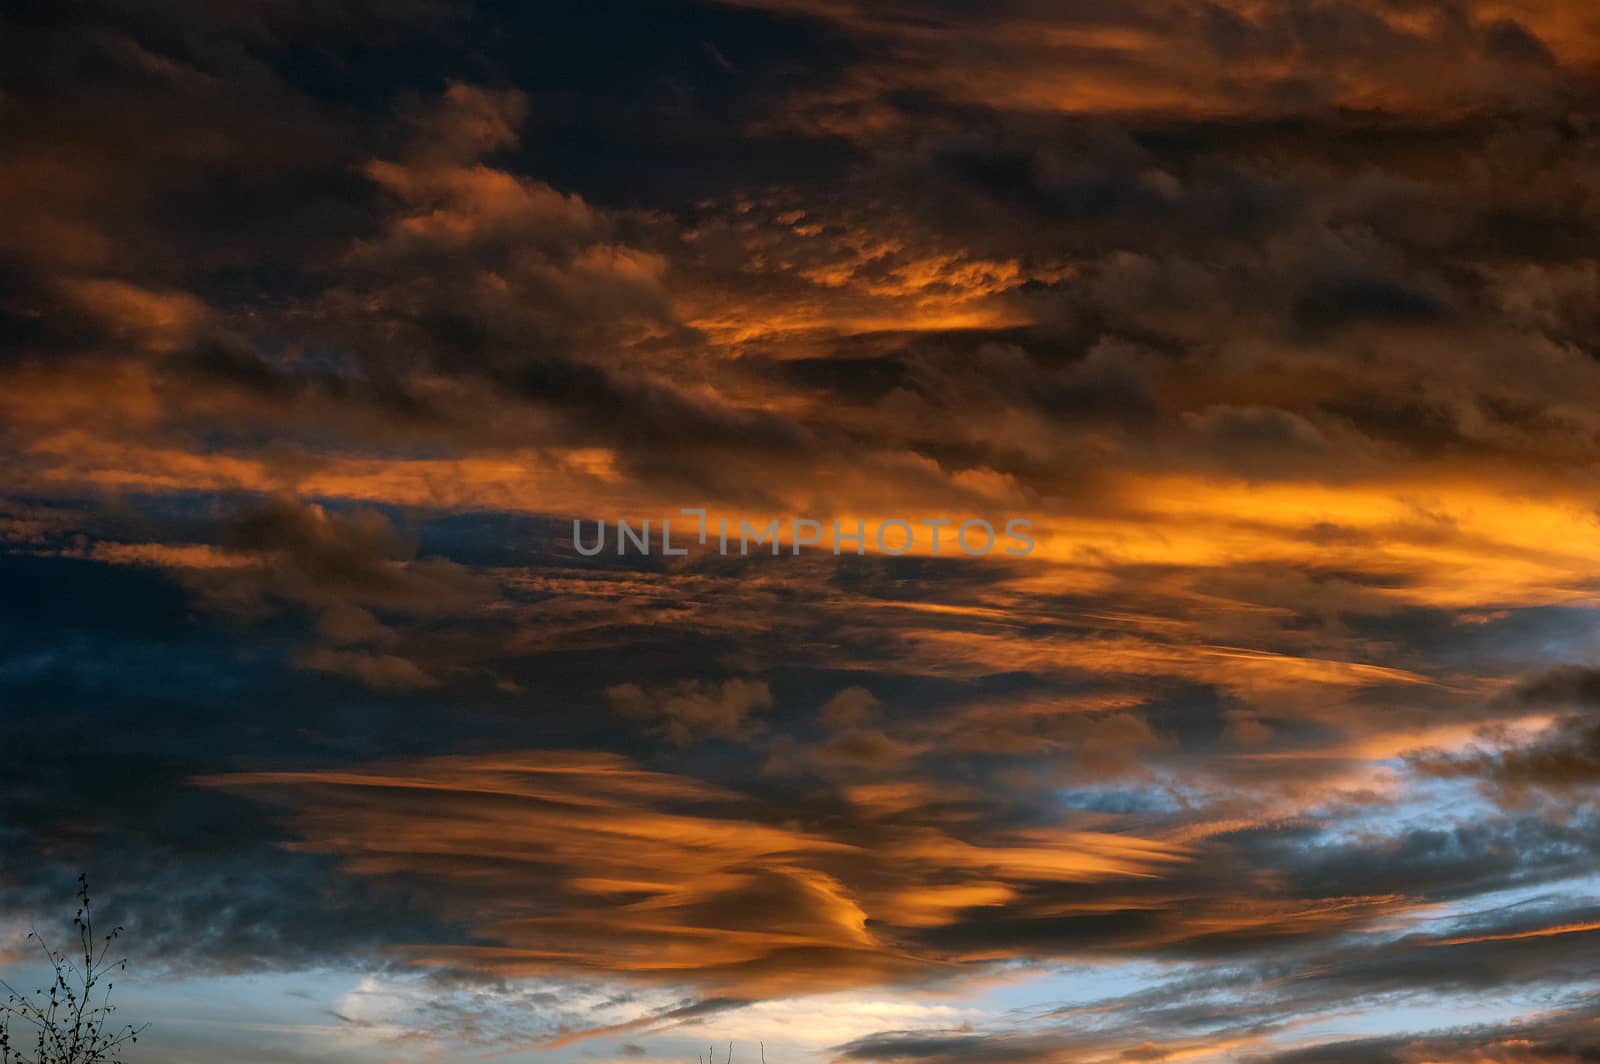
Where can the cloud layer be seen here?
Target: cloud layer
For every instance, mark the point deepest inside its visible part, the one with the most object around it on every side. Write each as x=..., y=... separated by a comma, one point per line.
x=319, y=328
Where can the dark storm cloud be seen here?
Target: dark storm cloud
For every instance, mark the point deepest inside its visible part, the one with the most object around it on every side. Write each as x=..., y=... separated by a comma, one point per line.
x=1339, y=303
x=1443, y=863
x=1236, y=1006
x=1200, y=59
x=183, y=148
x=654, y=424
x=1562, y=761
x=980, y=1049
x=1562, y=1040
x=1089, y=186
x=1563, y=1037
x=1568, y=684
x=115, y=693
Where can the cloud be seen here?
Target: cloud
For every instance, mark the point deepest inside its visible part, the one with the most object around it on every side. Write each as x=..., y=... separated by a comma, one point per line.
x=352, y=571
x=1231, y=59
x=694, y=709
x=1276, y=321
x=663, y=878
x=1560, y=762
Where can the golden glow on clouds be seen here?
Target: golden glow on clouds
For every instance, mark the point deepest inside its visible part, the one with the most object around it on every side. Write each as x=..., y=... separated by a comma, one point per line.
x=1303, y=420
x=631, y=888
x=1542, y=932
x=1184, y=58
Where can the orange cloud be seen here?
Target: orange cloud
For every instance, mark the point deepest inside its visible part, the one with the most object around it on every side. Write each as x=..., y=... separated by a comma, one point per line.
x=619, y=870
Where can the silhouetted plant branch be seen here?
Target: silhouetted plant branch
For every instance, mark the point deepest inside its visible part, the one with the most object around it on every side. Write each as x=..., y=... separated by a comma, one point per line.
x=710, y=1056
x=70, y=1020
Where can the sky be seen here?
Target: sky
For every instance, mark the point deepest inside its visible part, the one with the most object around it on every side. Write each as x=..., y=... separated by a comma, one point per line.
x=327, y=327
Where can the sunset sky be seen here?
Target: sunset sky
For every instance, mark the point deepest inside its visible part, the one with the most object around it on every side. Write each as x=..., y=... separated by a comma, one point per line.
x=1277, y=321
